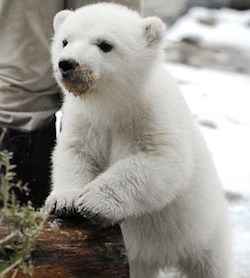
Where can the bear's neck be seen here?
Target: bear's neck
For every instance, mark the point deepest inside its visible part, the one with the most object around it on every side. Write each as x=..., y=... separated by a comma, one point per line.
x=117, y=107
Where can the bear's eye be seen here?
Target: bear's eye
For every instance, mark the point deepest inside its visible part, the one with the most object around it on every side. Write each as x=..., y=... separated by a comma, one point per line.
x=105, y=46
x=64, y=43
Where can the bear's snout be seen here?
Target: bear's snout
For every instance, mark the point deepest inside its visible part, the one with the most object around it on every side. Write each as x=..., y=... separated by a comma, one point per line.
x=67, y=67
x=75, y=77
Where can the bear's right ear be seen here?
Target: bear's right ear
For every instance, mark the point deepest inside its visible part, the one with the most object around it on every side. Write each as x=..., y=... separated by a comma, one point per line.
x=59, y=19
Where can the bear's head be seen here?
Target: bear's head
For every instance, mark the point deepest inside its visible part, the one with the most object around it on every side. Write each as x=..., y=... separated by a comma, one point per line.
x=104, y=46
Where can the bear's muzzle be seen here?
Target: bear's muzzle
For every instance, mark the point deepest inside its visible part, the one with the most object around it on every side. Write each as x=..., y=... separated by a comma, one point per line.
x=77, y=79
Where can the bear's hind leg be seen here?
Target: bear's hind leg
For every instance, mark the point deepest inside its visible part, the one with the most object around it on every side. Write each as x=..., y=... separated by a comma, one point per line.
x=143, y=270
x=208, y=267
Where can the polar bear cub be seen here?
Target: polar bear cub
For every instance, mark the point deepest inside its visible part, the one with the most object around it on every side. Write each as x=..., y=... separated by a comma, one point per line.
x=129, y=151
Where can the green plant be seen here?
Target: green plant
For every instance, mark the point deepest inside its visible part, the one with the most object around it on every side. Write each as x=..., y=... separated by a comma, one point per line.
x=20, y=223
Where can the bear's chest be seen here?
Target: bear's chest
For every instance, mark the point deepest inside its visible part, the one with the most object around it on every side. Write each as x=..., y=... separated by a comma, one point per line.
x=121, y=147
x=109, y=145
x=121, y=139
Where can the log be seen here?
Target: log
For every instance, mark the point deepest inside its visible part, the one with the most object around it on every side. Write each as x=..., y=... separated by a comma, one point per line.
x=77, y=249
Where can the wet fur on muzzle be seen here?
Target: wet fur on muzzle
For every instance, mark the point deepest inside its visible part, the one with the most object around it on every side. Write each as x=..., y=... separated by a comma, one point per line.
x=79, y=82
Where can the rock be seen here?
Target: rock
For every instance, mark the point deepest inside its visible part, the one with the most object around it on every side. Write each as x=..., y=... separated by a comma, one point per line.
x=168, y=10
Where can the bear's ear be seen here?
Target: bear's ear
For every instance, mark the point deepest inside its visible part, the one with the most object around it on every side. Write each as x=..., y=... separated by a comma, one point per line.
x=154, y=30
x=59, y=19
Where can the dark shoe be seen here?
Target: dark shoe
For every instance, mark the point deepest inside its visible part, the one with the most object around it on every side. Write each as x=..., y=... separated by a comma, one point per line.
x=31, y=155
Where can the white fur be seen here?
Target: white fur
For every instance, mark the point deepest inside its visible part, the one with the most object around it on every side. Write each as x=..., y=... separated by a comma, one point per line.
x=130, y=151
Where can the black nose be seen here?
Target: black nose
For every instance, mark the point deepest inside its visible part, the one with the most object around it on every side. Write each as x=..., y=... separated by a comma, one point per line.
x=67, y=66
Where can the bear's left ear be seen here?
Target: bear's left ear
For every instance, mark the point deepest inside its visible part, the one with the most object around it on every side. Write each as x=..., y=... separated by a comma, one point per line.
x=154, y=30
x=59, y=19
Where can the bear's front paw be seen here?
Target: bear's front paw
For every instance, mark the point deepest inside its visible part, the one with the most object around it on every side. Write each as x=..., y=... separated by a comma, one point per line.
x=61, y=203
x=96, y=204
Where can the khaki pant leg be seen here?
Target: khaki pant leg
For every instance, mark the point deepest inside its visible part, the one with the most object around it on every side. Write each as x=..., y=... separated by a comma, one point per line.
x=133, y=4
x=28, y=93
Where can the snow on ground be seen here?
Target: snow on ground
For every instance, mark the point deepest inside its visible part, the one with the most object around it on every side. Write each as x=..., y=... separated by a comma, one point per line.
x=220, y=102
x=232, y=27
x=214, y=38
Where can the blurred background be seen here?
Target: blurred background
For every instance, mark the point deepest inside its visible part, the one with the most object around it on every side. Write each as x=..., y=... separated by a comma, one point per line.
x=207, y=47
x=170, y=10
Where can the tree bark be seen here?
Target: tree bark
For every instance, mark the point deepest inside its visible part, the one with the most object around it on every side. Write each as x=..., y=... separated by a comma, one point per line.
x=77, y=249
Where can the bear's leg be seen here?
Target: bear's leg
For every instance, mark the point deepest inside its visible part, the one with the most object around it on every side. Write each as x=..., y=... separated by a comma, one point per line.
x=143, y=270
x=212, y=265
x=213, y=260
x=208, y=271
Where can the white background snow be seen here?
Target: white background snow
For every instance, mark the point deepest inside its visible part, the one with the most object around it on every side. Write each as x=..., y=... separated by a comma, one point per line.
x=220, y=102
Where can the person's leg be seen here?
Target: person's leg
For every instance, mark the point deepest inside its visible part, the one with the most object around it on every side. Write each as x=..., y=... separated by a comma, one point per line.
x=31, y=155
x=133, y=4
x=28, y=98
x=28, y=94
